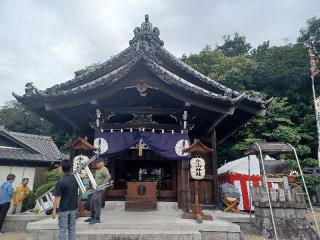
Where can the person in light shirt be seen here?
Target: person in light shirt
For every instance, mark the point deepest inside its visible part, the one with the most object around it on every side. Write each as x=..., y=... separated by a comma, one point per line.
x=102, y=176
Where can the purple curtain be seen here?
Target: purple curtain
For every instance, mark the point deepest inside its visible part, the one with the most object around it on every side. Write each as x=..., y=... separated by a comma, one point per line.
x=168, y=145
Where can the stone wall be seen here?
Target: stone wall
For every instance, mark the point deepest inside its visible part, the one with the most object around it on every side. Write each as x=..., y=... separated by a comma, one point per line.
x=289, y=211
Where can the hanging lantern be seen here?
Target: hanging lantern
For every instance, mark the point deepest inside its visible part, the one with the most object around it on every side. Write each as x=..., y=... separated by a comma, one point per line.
x=78, y=161
x=197, y=168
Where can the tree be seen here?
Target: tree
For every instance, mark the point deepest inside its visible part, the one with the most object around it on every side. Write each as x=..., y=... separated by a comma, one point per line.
x=14, y=117
x=311, y=33
x=234, y=47
x=279, y=71
x=260, y=50
x=236, y=72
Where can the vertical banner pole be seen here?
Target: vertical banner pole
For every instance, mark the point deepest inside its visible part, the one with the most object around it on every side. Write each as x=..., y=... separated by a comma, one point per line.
x=317, y=112
x=314, y=72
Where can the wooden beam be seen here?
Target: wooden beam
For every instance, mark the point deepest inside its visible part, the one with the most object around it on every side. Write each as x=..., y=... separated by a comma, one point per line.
x=175, y=127
x=219, y=119
x=215, y=185
x=253, y=110
x=74, y=126
x=232, y=132
x=146, y=110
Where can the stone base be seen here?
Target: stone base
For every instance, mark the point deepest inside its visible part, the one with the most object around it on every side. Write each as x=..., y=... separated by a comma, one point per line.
x=120, y=205
x=198, y=217
x=140, y=206
x=18, y=222
x=119, y=224
x=290, y=224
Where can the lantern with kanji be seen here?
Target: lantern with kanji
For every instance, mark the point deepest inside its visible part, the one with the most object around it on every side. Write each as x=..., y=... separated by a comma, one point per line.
x=197, y=168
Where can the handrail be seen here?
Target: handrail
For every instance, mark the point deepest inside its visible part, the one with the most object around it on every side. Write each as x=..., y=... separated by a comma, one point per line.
x=268, y=193
x=305, y=187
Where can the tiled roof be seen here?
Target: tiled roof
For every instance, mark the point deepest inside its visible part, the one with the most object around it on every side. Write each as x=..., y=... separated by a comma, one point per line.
x=146, y=44
x=33, y=148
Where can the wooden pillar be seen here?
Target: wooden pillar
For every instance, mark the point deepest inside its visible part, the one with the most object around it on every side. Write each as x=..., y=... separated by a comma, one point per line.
x=215, y=185
x=75, y=136
x=183, y=185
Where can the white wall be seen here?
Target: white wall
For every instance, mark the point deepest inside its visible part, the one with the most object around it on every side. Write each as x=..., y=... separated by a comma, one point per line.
x=20, y=172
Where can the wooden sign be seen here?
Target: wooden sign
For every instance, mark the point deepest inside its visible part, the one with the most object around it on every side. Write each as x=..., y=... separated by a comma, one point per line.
x=197, y=168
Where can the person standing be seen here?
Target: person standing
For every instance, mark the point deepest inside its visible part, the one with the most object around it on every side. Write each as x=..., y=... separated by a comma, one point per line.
x=22, y=191
x=66, y=197
x=102, y=176
x=6, y=193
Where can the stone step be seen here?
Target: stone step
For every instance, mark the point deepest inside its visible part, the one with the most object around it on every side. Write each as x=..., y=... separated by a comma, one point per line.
x=185, y=225
x=138, y=226
x=116, y=234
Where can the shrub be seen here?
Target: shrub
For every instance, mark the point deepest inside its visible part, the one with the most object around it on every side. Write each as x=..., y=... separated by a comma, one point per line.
x=311, y=182
x=53, y=176
x=29, y=202
x=44, y=188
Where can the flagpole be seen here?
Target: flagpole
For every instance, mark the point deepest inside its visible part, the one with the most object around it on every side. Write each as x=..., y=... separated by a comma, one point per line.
x=317, y=120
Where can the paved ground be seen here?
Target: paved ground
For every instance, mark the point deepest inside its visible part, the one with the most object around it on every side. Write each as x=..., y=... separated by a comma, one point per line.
x=247, y=234
x=22, y=236
x=13, y=236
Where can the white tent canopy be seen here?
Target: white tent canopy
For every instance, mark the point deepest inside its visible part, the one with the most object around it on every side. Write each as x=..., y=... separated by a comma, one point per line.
x=241, y=166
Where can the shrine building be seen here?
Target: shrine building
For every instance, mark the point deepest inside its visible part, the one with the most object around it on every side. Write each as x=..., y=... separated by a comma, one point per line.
x=141, y=109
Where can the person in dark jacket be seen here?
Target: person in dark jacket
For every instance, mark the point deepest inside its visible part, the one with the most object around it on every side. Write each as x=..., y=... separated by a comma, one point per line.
x=66, y=197
x=6, y=194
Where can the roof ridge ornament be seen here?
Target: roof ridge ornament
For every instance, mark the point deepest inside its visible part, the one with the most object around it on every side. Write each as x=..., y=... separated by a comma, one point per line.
x=145, y=36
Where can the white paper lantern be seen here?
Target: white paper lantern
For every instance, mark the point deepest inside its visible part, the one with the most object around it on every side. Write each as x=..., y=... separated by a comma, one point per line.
x=79, y=161
x=197, y=168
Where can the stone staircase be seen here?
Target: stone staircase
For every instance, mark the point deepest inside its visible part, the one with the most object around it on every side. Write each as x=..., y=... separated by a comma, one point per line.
x=165, y=224
x=139, y=234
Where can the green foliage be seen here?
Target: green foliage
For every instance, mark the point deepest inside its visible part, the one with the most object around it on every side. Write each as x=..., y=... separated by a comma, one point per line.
x=303, y=151
x=29, y=202
x=44, y=188
x=310, y=162
x=311, y=33
x=234, y=47
x=285, y=134
x=311, y=182
x=293, y=165
x=236, y=72
x=278, y=71
x=15, y=118
x=53, y=176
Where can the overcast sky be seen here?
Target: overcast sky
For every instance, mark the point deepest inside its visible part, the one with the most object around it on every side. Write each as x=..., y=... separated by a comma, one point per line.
x=45, y=41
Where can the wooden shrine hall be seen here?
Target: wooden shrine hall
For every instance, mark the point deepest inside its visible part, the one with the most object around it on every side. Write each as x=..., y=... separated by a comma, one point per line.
x=148, y=91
